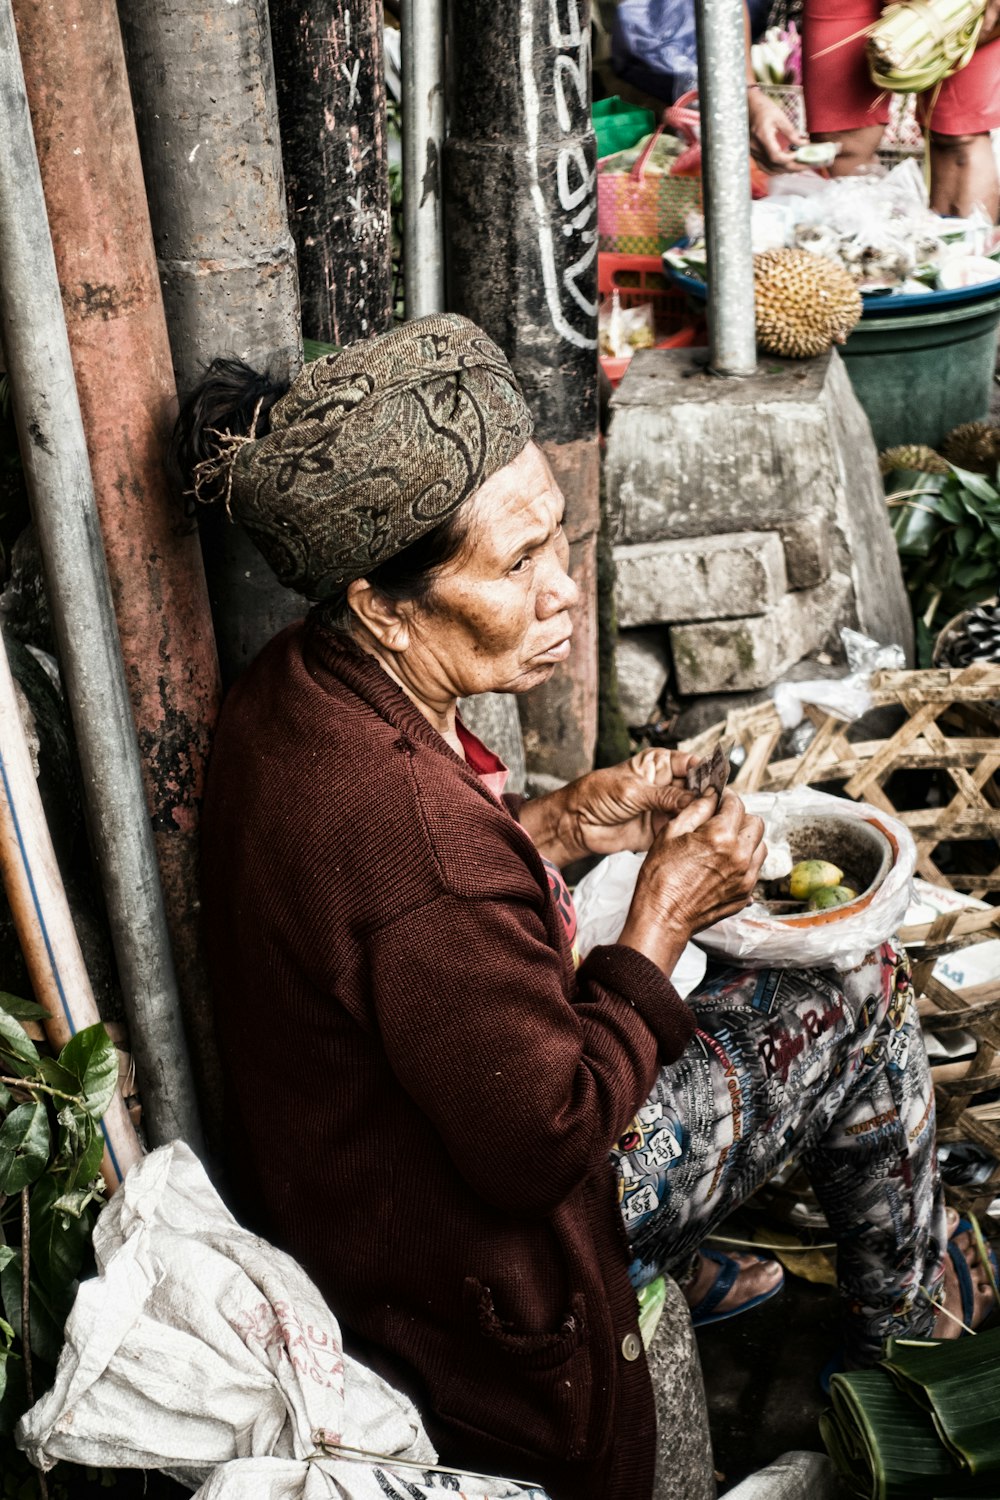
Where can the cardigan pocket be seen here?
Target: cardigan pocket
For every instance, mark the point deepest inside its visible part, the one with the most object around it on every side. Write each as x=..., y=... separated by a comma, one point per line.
x=531, y=1391
x=534, y=1351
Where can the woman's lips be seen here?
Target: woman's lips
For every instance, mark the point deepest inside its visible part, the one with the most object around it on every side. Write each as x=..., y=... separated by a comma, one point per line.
x=559, y=652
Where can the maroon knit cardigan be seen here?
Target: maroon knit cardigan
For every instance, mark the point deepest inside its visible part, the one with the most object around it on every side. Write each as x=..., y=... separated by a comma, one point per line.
x=423, y=1092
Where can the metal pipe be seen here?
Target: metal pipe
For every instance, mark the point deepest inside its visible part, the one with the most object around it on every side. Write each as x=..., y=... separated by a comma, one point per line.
x=57, y=469
x=43, y=919
x=422, y=26
x=725, y=154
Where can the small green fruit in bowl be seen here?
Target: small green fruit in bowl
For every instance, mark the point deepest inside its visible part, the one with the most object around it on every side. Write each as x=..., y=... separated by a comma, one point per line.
x=827, y=896
x=809, y=874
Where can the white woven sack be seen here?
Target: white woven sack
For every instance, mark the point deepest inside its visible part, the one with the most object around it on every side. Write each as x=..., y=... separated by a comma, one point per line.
x=201, y=1350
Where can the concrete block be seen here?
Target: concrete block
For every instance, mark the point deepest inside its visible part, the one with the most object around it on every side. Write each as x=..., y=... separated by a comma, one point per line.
x=684, y=1467
x=699, y=578
x=724, y=656
x=642, y=662
x=700, y=713
x=690, y=454
x=809, y=546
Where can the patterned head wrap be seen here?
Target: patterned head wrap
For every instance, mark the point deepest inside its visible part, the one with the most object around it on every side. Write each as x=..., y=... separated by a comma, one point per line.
x=375, y=445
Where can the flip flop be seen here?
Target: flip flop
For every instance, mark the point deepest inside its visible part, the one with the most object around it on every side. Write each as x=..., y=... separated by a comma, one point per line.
x=969, y=1224
x=704, y=1312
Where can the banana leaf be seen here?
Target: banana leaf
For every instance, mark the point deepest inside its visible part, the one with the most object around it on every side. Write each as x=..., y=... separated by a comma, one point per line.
x=925, y=1423
x=958, y=1382
x=883, y=1444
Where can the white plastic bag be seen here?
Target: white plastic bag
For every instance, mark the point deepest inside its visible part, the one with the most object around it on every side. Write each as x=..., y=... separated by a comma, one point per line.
x=757, y=940
x=602, y=900
x=203, y=1351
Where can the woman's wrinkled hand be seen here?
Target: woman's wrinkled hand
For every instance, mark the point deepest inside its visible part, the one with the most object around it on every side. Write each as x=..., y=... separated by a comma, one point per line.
x=701, y=867
x=626, y=806
x=773, y=137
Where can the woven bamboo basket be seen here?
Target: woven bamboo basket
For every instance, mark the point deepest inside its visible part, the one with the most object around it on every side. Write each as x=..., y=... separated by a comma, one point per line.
x=948, y=728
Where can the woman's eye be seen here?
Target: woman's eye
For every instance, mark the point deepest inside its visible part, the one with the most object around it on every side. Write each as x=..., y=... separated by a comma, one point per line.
x=521, y=564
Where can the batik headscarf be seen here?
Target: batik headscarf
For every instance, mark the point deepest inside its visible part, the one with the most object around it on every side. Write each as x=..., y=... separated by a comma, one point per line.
x=373, y=446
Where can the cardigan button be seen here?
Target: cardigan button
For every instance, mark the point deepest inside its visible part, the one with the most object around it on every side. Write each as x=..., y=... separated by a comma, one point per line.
x=631, y=1346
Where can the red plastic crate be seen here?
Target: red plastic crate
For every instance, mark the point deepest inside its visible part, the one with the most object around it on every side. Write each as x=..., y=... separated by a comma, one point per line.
x=638, y=279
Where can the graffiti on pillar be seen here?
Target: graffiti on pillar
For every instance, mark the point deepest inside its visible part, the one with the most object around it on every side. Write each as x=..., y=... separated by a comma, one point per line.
x=555, y=59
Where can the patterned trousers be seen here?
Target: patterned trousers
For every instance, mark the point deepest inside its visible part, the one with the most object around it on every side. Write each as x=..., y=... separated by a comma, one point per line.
x=829, y=1067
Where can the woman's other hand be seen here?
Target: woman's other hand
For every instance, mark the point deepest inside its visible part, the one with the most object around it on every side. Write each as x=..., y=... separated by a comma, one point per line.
x=702, y=866
x=773, y=137
x=621, y=807
x=990, y=31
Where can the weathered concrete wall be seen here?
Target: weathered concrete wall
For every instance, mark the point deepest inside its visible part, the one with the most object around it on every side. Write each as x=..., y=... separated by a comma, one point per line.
x=749, y=517
x=204, y=97
x=331, y=104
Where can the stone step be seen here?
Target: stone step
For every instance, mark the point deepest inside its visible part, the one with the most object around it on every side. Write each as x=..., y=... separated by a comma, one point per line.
x=726, y=656
x=699, y=578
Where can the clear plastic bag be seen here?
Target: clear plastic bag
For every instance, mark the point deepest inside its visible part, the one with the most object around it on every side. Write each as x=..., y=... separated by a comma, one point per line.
x=837, y=938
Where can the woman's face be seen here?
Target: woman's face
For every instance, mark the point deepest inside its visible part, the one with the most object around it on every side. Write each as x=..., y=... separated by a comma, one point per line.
x=498, y=619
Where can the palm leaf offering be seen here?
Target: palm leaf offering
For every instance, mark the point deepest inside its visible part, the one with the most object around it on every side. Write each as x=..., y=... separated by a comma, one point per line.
x=925, y=1423
x=912, y=48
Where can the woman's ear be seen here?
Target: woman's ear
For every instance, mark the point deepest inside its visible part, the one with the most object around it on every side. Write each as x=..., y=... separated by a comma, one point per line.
x=382, y=618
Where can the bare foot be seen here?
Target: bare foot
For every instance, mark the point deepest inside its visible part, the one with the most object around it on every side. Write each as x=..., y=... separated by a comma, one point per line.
x=949, y=1323
x=756, y=1278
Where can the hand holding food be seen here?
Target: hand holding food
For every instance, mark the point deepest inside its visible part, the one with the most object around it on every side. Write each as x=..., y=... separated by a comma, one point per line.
x=702, y=866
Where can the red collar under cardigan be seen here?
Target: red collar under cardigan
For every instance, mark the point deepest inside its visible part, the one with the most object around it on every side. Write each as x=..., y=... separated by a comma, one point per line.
x=422, y=1092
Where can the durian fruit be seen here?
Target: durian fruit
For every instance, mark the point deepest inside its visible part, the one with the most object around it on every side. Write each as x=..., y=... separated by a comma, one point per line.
x=916, y=457
x=975, y=446
x=972, y=636
x=804, y=302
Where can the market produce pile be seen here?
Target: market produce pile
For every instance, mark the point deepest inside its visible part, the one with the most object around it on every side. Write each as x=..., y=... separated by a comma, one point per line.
x=880, y=230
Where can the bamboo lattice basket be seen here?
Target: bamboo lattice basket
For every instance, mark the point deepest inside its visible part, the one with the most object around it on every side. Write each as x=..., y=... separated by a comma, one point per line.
x=946, y=723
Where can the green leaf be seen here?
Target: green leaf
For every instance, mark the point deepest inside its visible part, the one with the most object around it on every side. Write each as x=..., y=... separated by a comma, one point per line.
x=59, y=1245
x=58, y=1077
x=17, y=1051
x=21, y=1010
x=916, y=525
x=92, y=1058
x=24, y=1147
x=7, y=1253
x=951, y=508
x=46, y=1322
x=971, y=575
x=964, y=539
x=81, y=1147
x=976, y=484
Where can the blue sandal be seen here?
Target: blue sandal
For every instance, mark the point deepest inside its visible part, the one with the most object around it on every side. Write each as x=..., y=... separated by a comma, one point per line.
x=969, y=1224
x=705, y=1312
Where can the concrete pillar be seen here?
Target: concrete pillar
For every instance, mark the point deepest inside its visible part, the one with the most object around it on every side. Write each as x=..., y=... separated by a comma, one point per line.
x=684, y=1468
x=521, y=236
x=331, y=105
x=78, y=94
x=203, y=90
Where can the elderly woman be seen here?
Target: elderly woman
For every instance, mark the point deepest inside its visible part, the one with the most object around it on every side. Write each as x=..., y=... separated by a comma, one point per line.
x=478, y=1150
